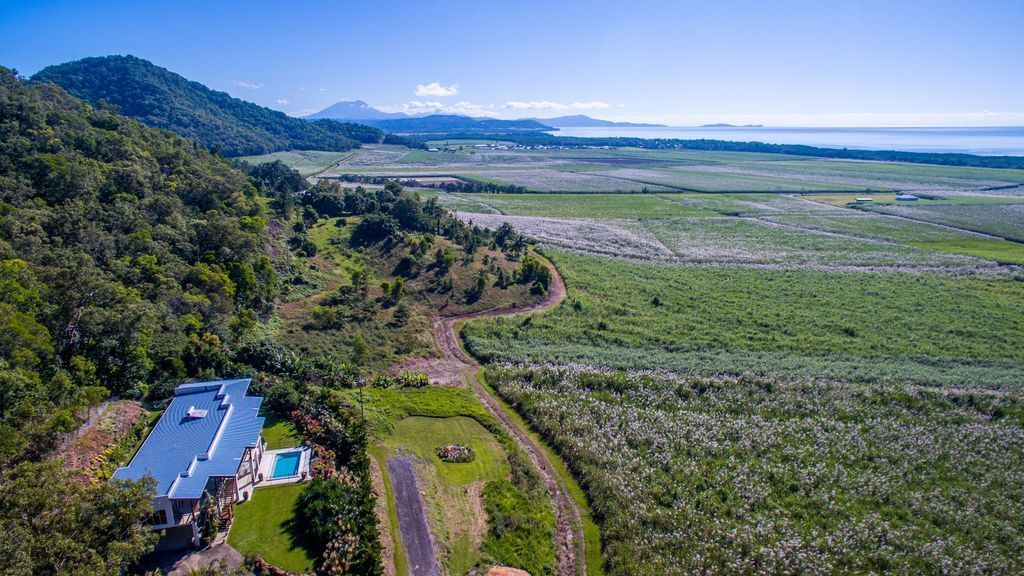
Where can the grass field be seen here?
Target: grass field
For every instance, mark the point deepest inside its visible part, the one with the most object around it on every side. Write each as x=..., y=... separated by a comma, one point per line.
x=590, y=205
x=717, y=475
x=264, y=526
x=909, y=233
x=307, y=162
x=808, y=323
x=748, y=241
x=1003, y=219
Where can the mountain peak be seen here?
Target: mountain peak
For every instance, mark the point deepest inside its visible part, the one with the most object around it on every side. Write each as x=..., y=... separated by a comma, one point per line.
x=353, y=110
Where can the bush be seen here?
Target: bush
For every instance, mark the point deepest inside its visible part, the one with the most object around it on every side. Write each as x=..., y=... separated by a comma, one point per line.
x=455, y=453
x=282, y=398
x=375, y=227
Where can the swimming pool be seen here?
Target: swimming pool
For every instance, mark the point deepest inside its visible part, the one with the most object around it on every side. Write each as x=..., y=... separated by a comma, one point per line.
x=286, y=464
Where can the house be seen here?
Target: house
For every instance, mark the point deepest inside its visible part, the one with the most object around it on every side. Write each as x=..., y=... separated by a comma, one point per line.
x=204, y=453
x=864, y=200
x=904, y=197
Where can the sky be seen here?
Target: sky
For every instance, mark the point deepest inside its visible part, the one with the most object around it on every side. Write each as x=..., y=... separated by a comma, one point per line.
x=781, y=63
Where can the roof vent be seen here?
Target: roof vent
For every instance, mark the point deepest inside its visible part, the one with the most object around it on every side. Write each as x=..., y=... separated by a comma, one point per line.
x=194, y=412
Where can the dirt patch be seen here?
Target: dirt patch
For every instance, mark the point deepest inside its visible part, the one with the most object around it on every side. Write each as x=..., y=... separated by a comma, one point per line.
x=506, y=571
x=188, y=562
x=440, y=371
x=476, y=499
x=107, y=425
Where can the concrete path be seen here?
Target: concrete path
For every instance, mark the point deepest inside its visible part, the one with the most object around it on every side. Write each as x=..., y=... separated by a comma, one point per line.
x=412, y=519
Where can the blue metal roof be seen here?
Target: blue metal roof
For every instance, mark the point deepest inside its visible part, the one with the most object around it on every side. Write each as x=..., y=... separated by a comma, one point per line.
x=186, y=447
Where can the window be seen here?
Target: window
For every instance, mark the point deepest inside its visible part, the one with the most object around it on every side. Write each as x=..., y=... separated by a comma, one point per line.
x=159, y=518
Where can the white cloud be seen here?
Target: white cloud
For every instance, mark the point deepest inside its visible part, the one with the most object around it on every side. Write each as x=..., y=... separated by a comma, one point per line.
x=436, y=90
x=249, y=85
x=419, y=107
x=303, y=111
x=323, y=89
x=535, y=105
x=550, y=105
x=282, y=101
x=592, y=105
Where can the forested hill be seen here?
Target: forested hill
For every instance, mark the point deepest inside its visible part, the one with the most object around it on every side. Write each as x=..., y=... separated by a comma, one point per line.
x=161, y=98
x=454, y=123
x=130, y=259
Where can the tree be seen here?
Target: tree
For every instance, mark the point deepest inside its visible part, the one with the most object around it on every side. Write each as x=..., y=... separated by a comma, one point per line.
x=64, y=526
x=402, y=314
x=360, y=350
x=375, y=227
x=397, y=289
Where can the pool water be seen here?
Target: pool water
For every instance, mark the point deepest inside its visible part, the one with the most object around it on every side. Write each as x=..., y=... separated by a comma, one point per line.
x=286, y=464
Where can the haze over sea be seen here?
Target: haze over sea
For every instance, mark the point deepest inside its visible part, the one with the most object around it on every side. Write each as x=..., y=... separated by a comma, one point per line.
x=987, y=141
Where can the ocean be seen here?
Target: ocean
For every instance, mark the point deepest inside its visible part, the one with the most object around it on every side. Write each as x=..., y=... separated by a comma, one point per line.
x=987, y=141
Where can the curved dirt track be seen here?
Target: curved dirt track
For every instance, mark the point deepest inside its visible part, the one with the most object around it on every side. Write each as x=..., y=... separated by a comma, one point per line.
x=569, y=543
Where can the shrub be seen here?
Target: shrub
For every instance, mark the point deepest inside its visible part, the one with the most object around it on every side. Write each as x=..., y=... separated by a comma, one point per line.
x=455, y=453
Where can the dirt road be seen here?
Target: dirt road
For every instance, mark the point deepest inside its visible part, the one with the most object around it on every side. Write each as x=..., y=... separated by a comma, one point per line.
x=569, y=553
x=412, y=519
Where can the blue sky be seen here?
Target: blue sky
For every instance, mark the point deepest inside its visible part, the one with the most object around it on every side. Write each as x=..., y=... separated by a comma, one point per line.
x=817, y=62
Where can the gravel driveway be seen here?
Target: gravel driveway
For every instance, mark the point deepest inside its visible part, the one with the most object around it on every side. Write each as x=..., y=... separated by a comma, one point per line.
x=412, y=519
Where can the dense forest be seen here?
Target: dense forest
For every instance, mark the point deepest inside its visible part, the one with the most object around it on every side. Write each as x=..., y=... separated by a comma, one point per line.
x=543, y=139
x=158, y=97
x=130, y=259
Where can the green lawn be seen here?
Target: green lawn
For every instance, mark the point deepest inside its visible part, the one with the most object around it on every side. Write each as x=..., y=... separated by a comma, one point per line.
x=280, y=433
x=422, y=435
x=263, y=526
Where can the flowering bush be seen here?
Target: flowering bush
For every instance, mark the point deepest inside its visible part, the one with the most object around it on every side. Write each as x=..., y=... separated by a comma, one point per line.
x=456, y=453
x=726, y=475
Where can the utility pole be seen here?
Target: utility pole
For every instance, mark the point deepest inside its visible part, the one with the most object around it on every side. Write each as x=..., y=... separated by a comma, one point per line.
x=362, y=415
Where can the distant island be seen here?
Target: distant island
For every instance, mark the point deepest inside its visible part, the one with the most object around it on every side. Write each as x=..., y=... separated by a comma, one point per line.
x=723, y=125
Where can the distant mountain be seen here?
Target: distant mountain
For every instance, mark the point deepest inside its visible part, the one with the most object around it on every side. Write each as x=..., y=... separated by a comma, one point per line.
x=161, y=98
x=441, y=123
x=723, y=125
x=582, y=121
x=354, y=110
